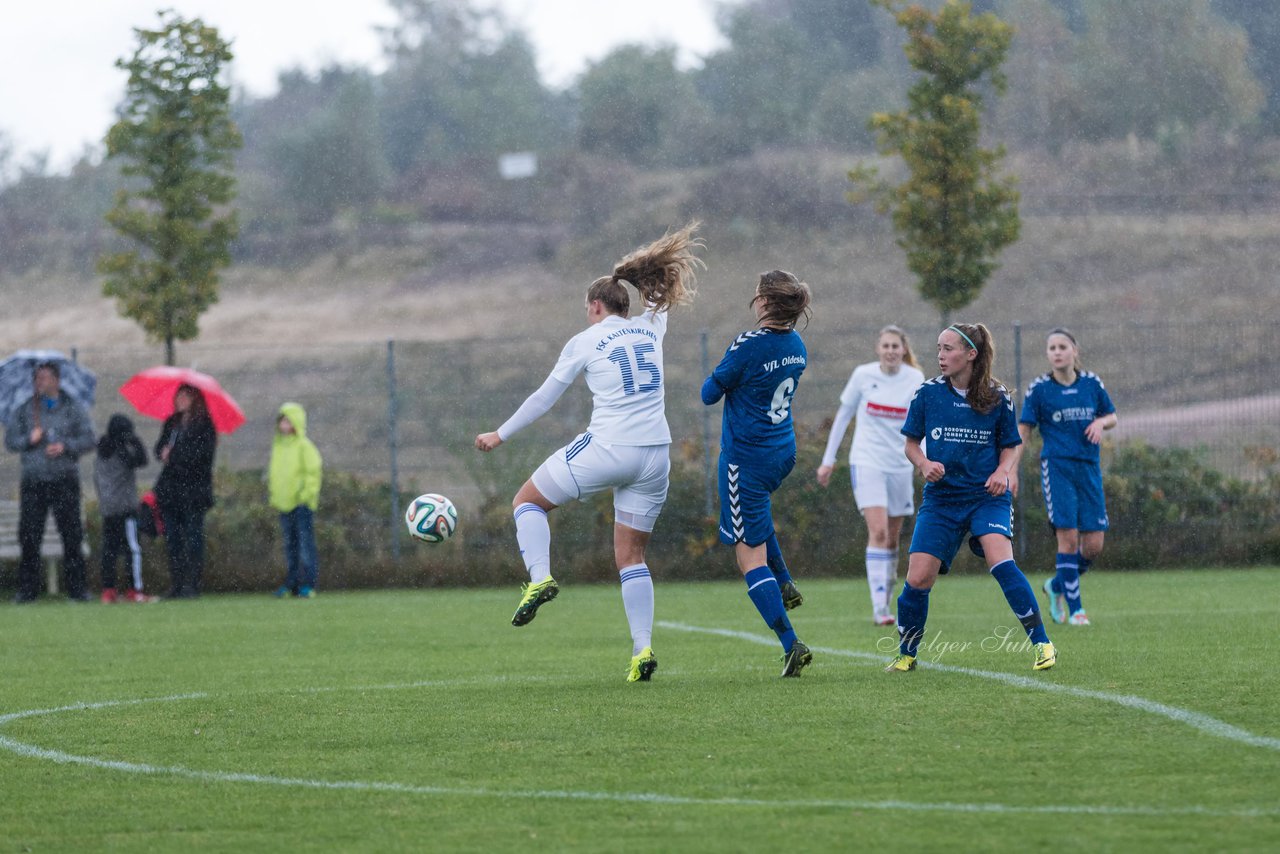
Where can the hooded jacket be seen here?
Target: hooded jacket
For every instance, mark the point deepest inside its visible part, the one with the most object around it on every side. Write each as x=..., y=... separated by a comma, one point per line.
x=120, y=455
x=63, y=421
x=294, y=477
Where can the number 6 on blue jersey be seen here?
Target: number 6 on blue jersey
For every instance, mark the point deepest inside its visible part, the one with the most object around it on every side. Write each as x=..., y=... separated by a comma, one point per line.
x=780, y=406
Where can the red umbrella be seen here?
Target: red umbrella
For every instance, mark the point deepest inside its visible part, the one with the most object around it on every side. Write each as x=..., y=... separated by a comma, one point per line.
x=151, y=393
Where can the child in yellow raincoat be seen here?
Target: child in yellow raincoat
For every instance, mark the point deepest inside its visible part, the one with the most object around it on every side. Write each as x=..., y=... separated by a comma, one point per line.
x=294, y=487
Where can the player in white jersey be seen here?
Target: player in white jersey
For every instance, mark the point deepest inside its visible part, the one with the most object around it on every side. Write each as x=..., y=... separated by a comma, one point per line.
x=625, y=447
x=877, y=396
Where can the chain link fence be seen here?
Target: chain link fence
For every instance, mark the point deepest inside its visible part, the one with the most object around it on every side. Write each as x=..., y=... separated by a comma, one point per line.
x=406, y=412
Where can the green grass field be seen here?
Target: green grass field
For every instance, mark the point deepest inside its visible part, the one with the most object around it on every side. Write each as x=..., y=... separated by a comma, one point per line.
x=424, y=721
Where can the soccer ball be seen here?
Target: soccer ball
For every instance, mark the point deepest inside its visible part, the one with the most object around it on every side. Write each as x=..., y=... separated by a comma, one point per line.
x=431, y=518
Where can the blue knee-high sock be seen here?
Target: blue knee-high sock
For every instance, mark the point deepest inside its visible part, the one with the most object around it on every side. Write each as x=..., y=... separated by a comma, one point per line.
x=913, y=610
x=773, y=554
x=1069, y=580
x=1058, y=560
x=1085, y=563
x=765, y=594
x=1017, y=592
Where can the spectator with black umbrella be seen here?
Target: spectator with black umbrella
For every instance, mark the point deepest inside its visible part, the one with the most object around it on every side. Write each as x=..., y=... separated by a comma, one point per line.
x=51, y=431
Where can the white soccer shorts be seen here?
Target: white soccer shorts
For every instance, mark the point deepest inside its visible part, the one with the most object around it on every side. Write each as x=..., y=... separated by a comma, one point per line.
x=638, y=476
x=890, y=490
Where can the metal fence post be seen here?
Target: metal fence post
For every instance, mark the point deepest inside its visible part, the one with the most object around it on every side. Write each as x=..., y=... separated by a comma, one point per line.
x=394, y=530
x=707, y=471
x=1017, y=401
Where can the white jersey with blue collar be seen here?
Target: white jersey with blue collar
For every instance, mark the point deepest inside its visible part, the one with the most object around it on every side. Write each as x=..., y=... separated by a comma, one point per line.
x=622, y=359
x=880, y=401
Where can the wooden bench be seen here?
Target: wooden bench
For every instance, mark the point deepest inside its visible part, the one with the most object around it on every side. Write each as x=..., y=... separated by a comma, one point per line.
x=50, y=548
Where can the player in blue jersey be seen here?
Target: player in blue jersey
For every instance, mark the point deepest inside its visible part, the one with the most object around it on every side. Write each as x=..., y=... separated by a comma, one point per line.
x=1072, y=408
x=969, y=460
x=757, y=379
x=626, y=446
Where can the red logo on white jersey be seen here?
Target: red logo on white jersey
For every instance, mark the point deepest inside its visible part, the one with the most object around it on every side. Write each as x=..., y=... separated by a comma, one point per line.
x=880, y=410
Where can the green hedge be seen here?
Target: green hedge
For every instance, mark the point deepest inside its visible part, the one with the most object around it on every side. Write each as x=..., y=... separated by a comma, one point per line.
x=1167, y=509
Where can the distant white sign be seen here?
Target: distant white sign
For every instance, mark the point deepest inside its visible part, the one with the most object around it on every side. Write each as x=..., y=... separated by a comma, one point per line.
x=518, y=164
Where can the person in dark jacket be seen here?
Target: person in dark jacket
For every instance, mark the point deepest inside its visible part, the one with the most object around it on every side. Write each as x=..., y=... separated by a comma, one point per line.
x=120, y=455
x=184, y=489
x=50, y=431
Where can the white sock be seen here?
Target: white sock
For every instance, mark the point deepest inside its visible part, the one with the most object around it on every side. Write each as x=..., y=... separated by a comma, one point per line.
x=878, y=575
x=890, y=579
x=135, y=551
x=637, y=599
x=534, y=536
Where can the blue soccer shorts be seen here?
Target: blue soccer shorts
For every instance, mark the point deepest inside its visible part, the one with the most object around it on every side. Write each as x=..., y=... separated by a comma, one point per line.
x=746, y=510
x=941, y=527
x=1073, y=494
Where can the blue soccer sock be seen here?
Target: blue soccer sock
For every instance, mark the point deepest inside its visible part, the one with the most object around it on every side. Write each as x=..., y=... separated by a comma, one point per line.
x=1069, y=580
x=773, y=554
x=913, y=611
x=1085, y=562
x=1017, y=592
x=765, y=594
x=1055, y=583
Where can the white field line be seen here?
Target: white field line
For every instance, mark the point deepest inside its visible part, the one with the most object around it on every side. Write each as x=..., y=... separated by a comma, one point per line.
x=1205, y=723
x=62, y=758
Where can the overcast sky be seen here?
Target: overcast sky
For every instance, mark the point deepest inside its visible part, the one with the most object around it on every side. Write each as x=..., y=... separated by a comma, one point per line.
x=59, y=86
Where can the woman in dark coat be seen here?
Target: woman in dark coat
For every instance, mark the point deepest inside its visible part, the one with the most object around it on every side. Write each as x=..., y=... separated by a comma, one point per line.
x=184, y=490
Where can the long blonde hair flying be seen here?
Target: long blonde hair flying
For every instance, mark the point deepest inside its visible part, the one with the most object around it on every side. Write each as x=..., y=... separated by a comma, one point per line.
x=664, y=273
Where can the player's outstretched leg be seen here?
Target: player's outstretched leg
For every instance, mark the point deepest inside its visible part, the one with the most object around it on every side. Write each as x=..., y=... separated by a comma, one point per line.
x=533, y=534
x=1017, y=592
x=791, y=597
x=766, y=595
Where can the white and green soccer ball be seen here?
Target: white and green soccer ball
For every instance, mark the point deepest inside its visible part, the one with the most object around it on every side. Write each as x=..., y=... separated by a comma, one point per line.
x=431, y=518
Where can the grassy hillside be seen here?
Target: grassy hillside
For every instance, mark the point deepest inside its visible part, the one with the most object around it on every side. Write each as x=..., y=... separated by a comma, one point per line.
x=1079, y=271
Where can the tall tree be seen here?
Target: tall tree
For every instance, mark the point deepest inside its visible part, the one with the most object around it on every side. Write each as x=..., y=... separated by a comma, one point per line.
x=763, y=86
x=633, y=102
x=843, y=30
x=175, y=134
x=952, y=213
x=460, y=82
x=331, y=158
x=1262, y=25
x=1148, y=65
x=1045, y=105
